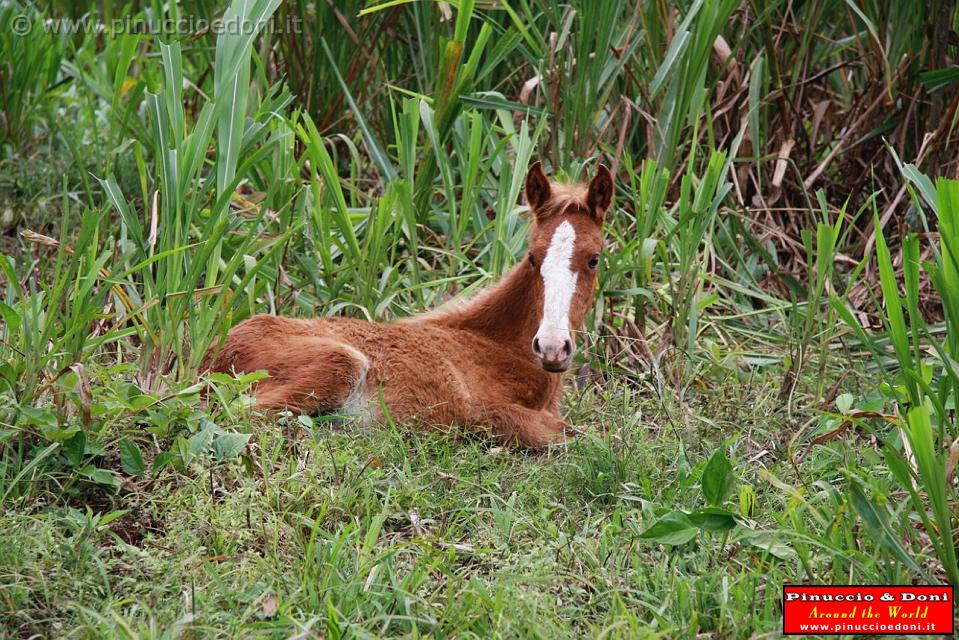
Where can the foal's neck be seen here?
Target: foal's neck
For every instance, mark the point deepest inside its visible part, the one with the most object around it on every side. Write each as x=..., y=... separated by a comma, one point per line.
x=509, y=311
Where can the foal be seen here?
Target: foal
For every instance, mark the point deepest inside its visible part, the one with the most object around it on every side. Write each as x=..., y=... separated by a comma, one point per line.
x=493, y=364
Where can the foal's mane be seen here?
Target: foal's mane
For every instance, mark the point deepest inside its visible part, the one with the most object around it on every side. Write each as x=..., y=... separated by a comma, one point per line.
x=564, y=198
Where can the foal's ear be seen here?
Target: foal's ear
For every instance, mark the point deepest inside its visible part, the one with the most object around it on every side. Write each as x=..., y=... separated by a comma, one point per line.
x=600, y=193
x=537, y=186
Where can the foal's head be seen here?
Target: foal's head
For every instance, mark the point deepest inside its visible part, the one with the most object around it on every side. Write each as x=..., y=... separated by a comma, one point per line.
x=565, y=243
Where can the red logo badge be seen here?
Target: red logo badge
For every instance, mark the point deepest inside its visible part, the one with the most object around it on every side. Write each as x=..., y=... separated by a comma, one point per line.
x=874, y=610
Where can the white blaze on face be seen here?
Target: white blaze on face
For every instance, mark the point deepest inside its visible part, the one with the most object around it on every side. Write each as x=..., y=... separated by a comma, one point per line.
x=559, y=285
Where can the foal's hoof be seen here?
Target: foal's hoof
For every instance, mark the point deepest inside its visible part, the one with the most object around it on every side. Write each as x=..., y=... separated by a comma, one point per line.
x=543, y=441
x=572, y=432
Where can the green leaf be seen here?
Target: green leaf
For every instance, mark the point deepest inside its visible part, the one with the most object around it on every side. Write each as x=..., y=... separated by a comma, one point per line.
x=674, y=528
x=162, y=460
x=713, y=519
x=200, y=442
x=8, y=376
x=10, y=317
x=130, y=458
x=74, y=448
x=747, y=500
x=94, y=449
x=926, y=189
x=769, y=543
x=492, y=100
x=844, y=403
x=932, y=475
x=49, y=423
x=877, y=523
x=102, y=477
x=717, y=478
x=231, y=79
x=60, y=435
x=110, y=517
x=229, y=445
x=43, y=418
x=895, y=319
x=632, y=291
x=676, y=47
x=939, y=78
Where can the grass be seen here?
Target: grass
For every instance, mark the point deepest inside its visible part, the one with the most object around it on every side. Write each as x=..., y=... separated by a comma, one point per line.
x=767, y=383
x=392, y=531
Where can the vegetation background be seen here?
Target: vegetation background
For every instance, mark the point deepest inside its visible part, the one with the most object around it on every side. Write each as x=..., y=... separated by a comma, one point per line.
x=768, y=381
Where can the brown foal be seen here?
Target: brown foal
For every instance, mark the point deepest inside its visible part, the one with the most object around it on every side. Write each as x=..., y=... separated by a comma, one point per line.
x=493, y=364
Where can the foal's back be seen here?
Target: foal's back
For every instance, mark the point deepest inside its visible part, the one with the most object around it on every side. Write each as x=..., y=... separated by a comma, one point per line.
x=421, y=369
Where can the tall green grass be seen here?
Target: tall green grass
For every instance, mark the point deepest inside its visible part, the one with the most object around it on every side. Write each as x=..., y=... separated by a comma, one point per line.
x=29, y=73
x=46, y=324
x=373, y=166
x=186, y=226
x=924, y=382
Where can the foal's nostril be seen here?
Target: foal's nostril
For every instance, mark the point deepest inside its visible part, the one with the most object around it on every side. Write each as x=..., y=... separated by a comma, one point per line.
x=567, y=348
x=536, y=346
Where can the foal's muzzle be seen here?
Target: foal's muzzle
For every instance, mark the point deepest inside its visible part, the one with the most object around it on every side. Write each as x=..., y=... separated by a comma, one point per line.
x=554, y=350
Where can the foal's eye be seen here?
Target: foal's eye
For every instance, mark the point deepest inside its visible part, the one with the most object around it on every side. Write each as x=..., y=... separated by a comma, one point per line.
x=532, y=260
x=593, y=261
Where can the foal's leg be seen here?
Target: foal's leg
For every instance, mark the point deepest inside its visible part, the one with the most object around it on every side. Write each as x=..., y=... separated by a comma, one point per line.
x=308, y=373
x=252, y=345
x=313, y=375
x=528, y=427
